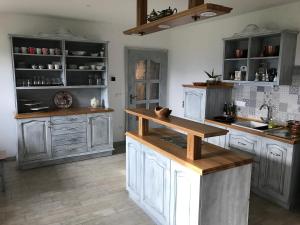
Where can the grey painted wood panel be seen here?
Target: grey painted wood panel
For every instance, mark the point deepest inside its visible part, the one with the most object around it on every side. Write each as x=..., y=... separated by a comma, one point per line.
x=60, y=129
x=69, y=139
x=68, y=119
x=34, y=139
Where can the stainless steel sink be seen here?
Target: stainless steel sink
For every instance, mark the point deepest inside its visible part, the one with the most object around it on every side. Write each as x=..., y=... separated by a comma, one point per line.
x=252, y=125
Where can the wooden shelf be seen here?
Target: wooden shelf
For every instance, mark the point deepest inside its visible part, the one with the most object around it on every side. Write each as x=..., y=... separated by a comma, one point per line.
x=262, y=58
x=181, y=18
x=236, y=59
x=36, y=55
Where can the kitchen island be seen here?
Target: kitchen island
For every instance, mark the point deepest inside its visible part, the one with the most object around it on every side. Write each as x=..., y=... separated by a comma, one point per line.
x=178, y=179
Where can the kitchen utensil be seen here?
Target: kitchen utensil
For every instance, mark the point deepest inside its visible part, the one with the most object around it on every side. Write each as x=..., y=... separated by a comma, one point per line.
x=162, y=112
x=94, y=54
x=63, y=100
x=38, y=51
x=45, y=51
x=78, y=53
x=32, y=50
x=16, y=49
x=99, y=67
x=155, y=15
x=241, y=53
x=50, y=67
x=24, y=50
x=30, y=104
x=237, y=75
x=52, y=51
x=95, y=103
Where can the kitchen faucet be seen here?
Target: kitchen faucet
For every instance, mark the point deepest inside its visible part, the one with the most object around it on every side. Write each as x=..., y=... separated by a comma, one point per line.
x=269, y=115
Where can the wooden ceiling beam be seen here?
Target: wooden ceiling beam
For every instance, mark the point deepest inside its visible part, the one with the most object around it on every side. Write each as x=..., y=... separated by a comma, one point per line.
x=141, y=7
x=193, y=3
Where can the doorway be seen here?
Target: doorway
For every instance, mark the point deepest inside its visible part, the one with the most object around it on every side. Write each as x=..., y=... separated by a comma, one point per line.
x=146, y=76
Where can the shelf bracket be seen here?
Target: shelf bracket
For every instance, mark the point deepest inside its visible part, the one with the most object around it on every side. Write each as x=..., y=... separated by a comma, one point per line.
x=143, y=129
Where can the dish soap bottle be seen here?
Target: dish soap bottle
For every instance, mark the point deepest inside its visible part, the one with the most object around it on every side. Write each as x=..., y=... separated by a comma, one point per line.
x=271, y=124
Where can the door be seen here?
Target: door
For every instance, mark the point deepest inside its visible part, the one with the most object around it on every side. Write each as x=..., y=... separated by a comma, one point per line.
x=99, y=131
x=275, y=170
x=146, y=80
x=155, y=194
x=194, y=104
x=34, y=139
x=133, y=168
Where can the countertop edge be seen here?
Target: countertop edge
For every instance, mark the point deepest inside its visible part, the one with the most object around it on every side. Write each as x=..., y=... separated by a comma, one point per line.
x=261, y=134
x=189, y=164
x=62, y=112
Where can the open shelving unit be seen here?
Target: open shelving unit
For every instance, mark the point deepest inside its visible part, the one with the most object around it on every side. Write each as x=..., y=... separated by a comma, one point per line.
x=81, y=84
x=255, y=56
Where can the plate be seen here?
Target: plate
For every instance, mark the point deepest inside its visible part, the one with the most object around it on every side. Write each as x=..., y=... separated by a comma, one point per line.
x=63, y=100
x=39, y=108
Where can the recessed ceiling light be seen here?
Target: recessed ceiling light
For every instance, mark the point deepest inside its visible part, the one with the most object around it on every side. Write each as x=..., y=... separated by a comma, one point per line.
x=163, y=26
x=208, y=14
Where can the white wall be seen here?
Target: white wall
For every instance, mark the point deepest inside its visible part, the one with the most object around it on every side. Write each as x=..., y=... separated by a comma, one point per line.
x=30, y=25
x=199, y=47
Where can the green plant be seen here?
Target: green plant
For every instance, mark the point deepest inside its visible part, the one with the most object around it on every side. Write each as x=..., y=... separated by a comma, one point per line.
x=212, y=74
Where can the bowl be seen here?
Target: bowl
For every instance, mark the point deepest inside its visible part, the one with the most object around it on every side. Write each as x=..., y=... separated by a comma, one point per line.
x=162, y=112
x=78, y=53
x=99, y=67
x=83, y=67
x=94, y=54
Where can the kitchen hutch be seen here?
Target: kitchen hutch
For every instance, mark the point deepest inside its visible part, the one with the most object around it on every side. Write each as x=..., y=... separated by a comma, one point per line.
x=42, y=67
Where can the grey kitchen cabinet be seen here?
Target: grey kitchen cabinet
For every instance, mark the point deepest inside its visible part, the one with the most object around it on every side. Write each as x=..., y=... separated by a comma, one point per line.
x=155, y=194
x=133, y=165
x=276, y=170
x=34, y=139
x=202, y=103
x=218, y=140
x=99, y=132
x=57, y=139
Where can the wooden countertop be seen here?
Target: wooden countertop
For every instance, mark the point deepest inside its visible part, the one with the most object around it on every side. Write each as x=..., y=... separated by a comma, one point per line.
x=62, y=112
x=258, y=133
x=194, y=128
x=217, y=86
x=214, y=158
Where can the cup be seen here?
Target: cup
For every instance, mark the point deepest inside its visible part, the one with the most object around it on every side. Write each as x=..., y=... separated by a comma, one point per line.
x=41, y=67
x=34, y=66
x=16, y=49
x=93, y=67
x=67, y=52
x=57, y=66
x=50, y=67
x=31, y=50
x=101, y=54
x=52, y=51
x=24, y=50
x=57, y=51
x=45, y=51
x=38, y=51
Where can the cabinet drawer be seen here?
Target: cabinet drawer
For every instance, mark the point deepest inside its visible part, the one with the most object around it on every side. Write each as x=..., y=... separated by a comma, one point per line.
x=68, y=150
x=246, y=143
x=68, y=119
x=71, y=128
x=69, y=139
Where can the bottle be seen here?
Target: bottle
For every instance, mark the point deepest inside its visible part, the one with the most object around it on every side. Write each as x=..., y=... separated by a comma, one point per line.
x=271, y=124
x=225, y=109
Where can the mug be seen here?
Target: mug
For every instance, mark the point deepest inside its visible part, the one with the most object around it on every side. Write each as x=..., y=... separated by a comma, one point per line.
x=93, y=67
x=16, y=50
x=38, y=51
x=52, y=51
x=24, y=50
x=57, y=66
x=31, y=50
x=45, y=51
x=50, y=66
x=57, y=51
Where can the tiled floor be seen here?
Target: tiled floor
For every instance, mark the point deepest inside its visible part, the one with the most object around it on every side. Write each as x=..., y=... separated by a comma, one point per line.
x=92, y=192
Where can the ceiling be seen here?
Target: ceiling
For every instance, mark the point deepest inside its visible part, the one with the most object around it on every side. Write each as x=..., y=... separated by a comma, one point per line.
x=118, y=11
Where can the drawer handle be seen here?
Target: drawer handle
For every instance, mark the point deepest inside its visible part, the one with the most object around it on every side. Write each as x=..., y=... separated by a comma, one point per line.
x=241, y=143
x=275, y=154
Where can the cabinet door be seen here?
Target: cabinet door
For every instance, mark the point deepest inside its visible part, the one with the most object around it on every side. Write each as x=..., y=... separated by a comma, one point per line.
x=34, y=139
x=99, y=131
x=185, y=195
x=194, y=104
x=133, y=168
x=156, y=185
x=275, y=170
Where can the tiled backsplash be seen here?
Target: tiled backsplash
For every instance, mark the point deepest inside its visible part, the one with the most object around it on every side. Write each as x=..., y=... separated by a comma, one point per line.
x=285, y=100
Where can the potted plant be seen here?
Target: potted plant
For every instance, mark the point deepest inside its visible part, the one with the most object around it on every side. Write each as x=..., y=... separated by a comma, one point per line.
x=212, y=77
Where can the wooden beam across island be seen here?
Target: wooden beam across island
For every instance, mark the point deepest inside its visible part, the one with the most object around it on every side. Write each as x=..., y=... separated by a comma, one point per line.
x=179, y=179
